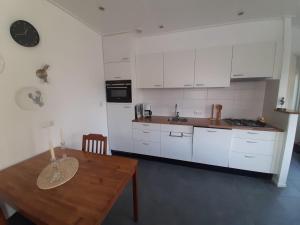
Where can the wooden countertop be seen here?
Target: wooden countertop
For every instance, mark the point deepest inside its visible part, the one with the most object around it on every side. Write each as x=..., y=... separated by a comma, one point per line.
x=203, y=122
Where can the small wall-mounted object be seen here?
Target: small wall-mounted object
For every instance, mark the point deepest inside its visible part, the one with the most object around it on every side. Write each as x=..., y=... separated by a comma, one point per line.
x=2, y=64
x=42, y=73
x=29, y=99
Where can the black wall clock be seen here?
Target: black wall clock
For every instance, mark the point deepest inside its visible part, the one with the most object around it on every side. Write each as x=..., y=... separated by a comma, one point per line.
x=24, y=33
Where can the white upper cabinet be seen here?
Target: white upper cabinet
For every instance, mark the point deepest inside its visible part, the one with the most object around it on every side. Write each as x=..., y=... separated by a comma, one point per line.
x=117, y=71
x=179, y=69
x=253, y=60
x=149, y=70
x=117, y=48
x=213, y=67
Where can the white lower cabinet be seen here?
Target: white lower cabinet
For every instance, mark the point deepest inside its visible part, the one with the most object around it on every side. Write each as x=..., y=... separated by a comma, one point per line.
x=177, y=142
x=253, y=151
x=147, y=148
x=211, y=146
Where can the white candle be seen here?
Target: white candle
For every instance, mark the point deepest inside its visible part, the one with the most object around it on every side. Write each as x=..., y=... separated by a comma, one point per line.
x=62, y=136
x=52, y=150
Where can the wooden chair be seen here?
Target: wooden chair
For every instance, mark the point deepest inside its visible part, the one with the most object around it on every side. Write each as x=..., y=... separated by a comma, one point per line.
x=2, y=218
x=95, y=143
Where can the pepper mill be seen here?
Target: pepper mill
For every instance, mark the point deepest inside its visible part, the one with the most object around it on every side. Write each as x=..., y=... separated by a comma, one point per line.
x=219, y=110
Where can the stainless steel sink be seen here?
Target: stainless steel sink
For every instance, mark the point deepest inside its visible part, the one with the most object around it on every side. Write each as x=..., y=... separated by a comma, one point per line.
x=177, y=119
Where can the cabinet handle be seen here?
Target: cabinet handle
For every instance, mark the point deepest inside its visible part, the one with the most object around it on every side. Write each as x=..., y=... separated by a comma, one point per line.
x=146, y=132
x=200, y=85
x=171, y=135
x=127, y=107
x=252, y=132
x=249, y=156
x=211, y=131
x=145, y=125
x=117, y=77
x=238, y=75
x=187, y=85
x=251, y=142
x=156, y=85
x=125, y=59
x=145, y=144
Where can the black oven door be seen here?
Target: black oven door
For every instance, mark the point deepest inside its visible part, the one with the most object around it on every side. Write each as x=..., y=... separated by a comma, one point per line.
x=118, y=91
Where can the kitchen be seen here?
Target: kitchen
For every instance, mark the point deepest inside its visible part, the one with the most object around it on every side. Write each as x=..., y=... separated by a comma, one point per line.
x=195, y=108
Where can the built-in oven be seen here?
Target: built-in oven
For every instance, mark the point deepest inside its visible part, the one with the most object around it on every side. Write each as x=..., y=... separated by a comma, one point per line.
x=118, y=91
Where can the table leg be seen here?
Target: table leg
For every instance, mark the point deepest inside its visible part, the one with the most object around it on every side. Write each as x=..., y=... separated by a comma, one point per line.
x=2, y=218
x=135, y=197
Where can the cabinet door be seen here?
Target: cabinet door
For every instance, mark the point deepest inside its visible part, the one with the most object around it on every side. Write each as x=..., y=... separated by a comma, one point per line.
x=179, y=69
x=149, y=68
x=117, y=48
x=147, y=148
x=213, y=67
x=253, y=60
x=211, y=146
x=176, y=145
x=117, y=71
x=119, y=118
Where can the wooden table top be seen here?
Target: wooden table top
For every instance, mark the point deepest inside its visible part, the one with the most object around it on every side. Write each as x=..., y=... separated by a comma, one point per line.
x=84, y=200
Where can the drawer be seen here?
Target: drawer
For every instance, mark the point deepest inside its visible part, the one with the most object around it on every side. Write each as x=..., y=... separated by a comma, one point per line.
x=256, y=135
x=147, y=148
x=252, y=162
x=146, y=126
x=252, y=146
x=146, y=135
x=177, y=128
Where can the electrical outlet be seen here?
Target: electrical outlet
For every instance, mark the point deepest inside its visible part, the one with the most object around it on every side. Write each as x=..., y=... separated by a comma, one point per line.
x=198, y=112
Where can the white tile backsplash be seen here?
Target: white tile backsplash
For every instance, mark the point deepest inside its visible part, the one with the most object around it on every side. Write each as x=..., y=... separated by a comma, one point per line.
x=240, y=100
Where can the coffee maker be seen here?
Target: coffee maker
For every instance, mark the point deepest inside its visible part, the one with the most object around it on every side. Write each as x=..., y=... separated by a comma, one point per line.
x=147, y=110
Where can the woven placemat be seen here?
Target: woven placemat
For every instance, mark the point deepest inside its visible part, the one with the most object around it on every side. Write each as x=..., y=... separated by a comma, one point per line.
x=57, y=173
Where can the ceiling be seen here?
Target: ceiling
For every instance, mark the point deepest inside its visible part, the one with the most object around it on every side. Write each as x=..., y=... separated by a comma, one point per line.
x=148, y=15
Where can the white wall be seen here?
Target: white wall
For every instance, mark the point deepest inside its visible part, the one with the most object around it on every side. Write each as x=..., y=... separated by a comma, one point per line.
x=263, y=31
x=240, y=100
x=76, y=88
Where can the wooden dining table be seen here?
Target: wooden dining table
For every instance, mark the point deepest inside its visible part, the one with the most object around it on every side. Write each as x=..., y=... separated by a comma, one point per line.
x=84, y=200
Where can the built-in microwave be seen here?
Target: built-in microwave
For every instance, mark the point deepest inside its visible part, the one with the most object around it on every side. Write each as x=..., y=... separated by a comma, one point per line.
x=118, y=91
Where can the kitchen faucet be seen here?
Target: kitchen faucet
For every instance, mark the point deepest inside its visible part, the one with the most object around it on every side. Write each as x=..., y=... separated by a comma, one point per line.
x=176, y=111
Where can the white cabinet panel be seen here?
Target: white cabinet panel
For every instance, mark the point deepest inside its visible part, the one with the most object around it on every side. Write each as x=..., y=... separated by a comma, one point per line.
x=146, y=135
x=117, y=71
x=253, y=60
x=149, y=70
x=146, y=126
x=147, y=148
x=179, y=69
x=252, y=162
x=176, y=145
x=211, y=146
x=252, y=146
x=119, y=116
x=117, y=48
x=213, y=67
x=255, y=135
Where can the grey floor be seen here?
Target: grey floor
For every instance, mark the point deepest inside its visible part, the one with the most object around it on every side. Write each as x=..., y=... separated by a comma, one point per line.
x=173, y=194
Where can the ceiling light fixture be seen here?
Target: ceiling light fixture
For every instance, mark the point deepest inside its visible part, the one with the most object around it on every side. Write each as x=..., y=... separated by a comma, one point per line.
x=241, y=13
x=101, y=8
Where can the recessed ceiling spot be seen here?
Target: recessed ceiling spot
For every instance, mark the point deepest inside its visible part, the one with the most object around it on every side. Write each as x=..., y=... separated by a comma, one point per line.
x=161, y=26
x=101, y=8
x=139, y=31
x=241, y=13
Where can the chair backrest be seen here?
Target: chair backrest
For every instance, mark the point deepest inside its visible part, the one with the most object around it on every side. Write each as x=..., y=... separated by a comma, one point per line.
x=95, y=143
x=2, y=218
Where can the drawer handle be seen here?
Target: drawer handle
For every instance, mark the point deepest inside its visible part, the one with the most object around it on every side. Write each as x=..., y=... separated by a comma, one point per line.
x=252, y=132
x=249, y=156
x=200, y=84
x=125, y=58
x=187, y=85
x=146, y=132
x=238, y=75
x=156, y=85
x=211, y=131
x=251, y=142
x=117, y=77
x=146, y=125
x=127, y=107
x=172, y=135
x=145, y=144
